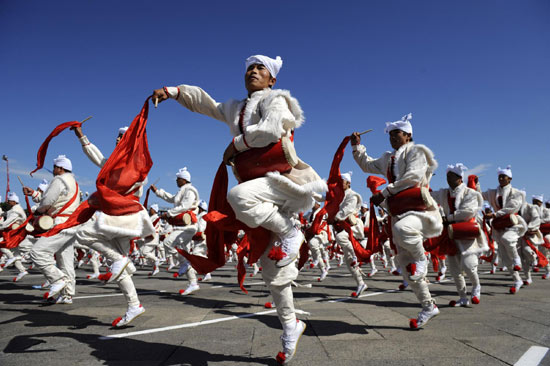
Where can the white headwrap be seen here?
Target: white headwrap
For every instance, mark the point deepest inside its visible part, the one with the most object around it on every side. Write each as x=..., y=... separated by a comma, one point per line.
x=43, y=185
x=458, y=169
x=365, y=205
x=347, y=176
x=538, y=197
x=272, y=65
x=203, y=205
x=12, y=196
x=184, y=174
x=507, y=172
x=63, y=162
x=486, y=205
x=122, y=130
x=404, y=125
x=155, y=207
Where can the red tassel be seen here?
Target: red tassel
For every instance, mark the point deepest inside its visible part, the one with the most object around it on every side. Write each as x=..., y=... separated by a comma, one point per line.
x=181, y=291
x=517, y=268
x=536, y=269
x=411, y=267
x=353, y=294
x=395, y=273
x=281, y=358
x=46, y=295
x=544, y=277
x=413, y=323
x=268, y=305
x=15, y=279
x=513, y=290
x=311, y=265
x=525, y=283
x=475, y=300
x=175, y=275
x=200, y=279
x=452, y=303
x=116, y=321
x=276, y=253
x=402, y=287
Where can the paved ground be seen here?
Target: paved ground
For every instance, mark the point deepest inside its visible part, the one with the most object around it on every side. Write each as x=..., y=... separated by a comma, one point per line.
x=220, y=325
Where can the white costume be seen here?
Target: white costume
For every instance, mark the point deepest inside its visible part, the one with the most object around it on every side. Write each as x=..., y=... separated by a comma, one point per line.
x=531, y=214
x=14, y=217
x=411, y=165
x=62, y=189
x=467, y=202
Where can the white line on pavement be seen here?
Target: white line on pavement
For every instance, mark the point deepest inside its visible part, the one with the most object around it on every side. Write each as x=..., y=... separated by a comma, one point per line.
x=27, y=276
x=365, y=295
x=190, y=325
x=532, y=357
x=88, y=297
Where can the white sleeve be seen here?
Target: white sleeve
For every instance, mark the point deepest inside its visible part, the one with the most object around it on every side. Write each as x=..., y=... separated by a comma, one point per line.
x=168, y=197
x=417, y=165
x=197, y=100
x=347, y=207
x=470, y=205
x=512, y=206
x=366, y=163
x=92, y=152
x=185, y=205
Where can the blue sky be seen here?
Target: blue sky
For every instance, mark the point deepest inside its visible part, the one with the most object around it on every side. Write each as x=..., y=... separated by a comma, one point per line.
x=474, y=74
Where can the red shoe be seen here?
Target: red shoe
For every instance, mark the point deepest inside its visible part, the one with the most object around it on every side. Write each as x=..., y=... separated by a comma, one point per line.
x=475, y=300
x=517, y=268
x=536, y=269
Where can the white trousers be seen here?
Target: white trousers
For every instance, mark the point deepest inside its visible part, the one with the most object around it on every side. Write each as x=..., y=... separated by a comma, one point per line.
x=8, y=253
x=113, y=249
x=342, y=238
x=315, y=245
x=464, y=263
x=60, y=245
x=507, y=248
x=260, y=203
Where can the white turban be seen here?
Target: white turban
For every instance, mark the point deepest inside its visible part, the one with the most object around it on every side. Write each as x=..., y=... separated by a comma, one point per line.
x=62, y=162
x=458, y=169
x=507, y=172
x=404, y=125
x=486, y=205
x=538, y=197
x=43, y=185
x=203, y=205
x=347, y=176
x=184, y=174
x=155, y=207
x=122, y=130
x=273, y=65
x=365, y=205
x=12, y=196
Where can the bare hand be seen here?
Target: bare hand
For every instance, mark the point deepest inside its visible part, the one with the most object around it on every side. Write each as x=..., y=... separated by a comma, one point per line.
x=377, y=199
x=28, y=191
x=159, y=94
x=355, y=138
x=153, y=188
x=229, y=153
x=78, y=131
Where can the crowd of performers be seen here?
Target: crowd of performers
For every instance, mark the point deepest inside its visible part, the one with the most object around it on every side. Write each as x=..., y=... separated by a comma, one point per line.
x=280, y=214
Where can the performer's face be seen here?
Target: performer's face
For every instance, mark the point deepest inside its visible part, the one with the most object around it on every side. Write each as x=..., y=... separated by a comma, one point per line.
x=537, y=202
x=12, y=203
x=119, y=137
x=399, y=138
x=180, y=182
x=57, y=170
x=453, y=180
x=257, y=77
x=504, y=180
x=346, y=184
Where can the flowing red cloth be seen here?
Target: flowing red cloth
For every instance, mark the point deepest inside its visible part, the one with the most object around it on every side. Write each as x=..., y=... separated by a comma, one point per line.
x=129, y=164
x=12, y=238
x=146, y=202
x=490, y=242
x=542, y=260
x=472, y=179
x=44, y=147
x=221, y=231
x=374, y=243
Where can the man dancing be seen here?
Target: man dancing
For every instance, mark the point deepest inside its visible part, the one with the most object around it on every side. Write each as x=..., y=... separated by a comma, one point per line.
x=269, y=201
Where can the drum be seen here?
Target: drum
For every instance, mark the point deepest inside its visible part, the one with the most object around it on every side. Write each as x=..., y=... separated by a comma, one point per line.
x=464, y=230
x=412, y=199
x=183, y=219
x=256, y=162
x=504, y=222
x=352, y=219
x=545, y=228
x=40, y=224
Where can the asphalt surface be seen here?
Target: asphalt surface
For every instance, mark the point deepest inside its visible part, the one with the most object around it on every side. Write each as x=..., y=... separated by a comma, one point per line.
x=220, y=325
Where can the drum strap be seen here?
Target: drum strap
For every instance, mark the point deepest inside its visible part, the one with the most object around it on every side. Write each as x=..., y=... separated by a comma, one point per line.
x=241, y=119
x=73, y=198
x=451, y=202
x=390, y=174
x=499, y=202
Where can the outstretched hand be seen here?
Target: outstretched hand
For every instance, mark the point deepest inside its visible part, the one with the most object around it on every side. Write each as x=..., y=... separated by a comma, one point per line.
x=355, y=138
x=377, y=199
x=159, y=95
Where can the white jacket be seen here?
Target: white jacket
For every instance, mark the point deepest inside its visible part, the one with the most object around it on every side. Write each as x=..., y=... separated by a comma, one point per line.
x=16, y=215
x=350, y=206
x=186, y=199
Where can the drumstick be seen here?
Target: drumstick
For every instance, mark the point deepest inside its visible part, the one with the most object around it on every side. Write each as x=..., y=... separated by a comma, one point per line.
x=364, y=132
x=156, y=102
x=20, y=181
x=86, y=119
x=155, y=182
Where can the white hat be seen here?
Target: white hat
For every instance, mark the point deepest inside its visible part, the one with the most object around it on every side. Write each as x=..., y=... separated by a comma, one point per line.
x=122, y=130
x=184, y=174
x=155, y=207
x=507, y=172
x=458, y=169
x=486, y=205
x=538, y=197
x=273, y=65
x=62, y=162
x=43, y=185
x=404, y=125
x=12, y=196
x=203, y=205
x=365, y=205
x=347, y=176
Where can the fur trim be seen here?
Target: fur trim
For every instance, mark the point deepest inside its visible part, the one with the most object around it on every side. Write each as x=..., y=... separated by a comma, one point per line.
x=434, y=221
x=432, y=163
x=292, y=103
x=305, y=193
x=134, y=225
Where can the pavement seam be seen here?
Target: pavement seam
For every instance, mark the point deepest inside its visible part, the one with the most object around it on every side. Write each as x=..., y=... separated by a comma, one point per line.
x=319, y=339
x=518, y=336
x=480, y=350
